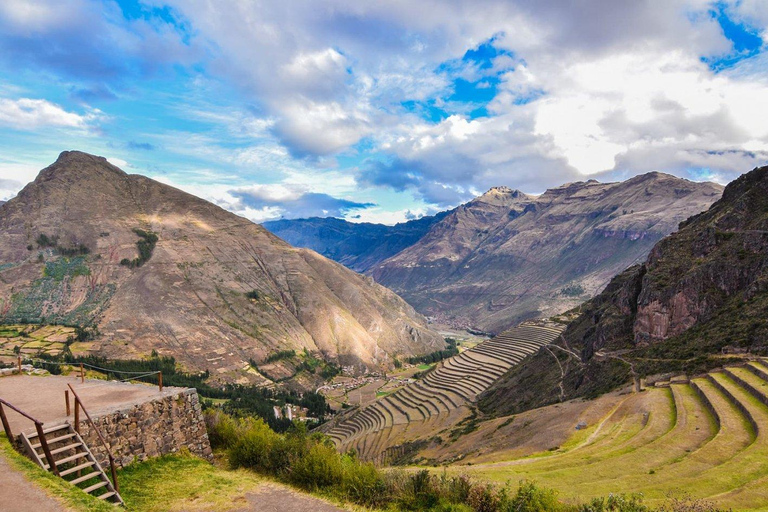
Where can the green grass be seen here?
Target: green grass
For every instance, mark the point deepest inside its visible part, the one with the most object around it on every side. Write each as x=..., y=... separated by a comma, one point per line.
x=678, y=448
x=54, y=486
x=184, y=482
x=423, y=367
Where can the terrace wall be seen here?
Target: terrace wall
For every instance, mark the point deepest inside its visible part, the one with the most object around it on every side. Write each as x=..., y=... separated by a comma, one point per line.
x=151, y=428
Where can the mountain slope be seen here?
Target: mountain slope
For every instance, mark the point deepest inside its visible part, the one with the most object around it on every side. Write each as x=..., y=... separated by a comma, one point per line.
x=701, y=289
x=505, y=256
x=358, y=246
x=215, y=291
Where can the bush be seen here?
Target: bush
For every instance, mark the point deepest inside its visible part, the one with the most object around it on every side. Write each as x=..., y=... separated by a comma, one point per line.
x=363, y=483
x=532, y=498
x=617, y=503
x=222, y=429
x=253, y=445
x=320, y=468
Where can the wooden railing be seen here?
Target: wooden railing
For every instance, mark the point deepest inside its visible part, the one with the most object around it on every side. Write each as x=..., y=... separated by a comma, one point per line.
x=38, y=427
x=79, y=405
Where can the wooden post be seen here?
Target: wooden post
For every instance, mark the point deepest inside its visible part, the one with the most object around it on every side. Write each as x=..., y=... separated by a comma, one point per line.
x=160, y=380
x=77, y=415
x=82, y=375
x=6, y=426
x=19, y=365
x=66, y=399
x=46, y=450
x=114, y=472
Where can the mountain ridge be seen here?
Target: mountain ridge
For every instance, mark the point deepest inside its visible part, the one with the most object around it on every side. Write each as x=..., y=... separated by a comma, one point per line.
x=505, y=256
x=358, y=246
x=216, y=292
x=700, y=291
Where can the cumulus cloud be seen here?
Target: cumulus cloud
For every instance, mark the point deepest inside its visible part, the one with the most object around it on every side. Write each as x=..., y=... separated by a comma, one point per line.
x=582, y=88
x=88, y=39
x=557, y=91
x=28, y=114
x=291, y=205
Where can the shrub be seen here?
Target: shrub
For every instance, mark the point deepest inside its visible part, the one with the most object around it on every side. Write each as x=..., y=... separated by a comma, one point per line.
x=617, y=503
x=363, y=483
x=253, y=445
x=319, y=468
x=483, y=498
x=532, y=498
x=222, y=429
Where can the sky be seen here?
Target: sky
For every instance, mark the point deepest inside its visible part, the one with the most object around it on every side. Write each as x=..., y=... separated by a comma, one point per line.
x=382, y=111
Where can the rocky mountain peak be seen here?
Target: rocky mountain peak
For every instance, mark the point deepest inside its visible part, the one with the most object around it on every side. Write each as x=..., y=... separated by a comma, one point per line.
x=501, y=196
x=216, y=290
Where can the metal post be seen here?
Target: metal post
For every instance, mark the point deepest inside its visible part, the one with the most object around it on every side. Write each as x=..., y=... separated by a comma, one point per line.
x=66, y=399
x=160, y=380
x=6, y=426
x=46, y=450
x=82, y=374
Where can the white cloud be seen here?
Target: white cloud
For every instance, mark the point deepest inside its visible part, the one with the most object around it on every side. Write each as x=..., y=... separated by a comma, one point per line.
x=29, y=114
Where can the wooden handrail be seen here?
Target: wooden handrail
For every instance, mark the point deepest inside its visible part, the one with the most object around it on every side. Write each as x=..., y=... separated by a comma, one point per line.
x=79, y=405
x=38, y=427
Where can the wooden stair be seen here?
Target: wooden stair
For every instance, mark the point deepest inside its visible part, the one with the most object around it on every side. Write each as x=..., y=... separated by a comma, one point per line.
x=73, y=460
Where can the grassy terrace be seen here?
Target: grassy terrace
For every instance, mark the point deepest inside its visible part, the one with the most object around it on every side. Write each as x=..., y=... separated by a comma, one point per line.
x=450, y=385
x=33, y=339
x=662, y=442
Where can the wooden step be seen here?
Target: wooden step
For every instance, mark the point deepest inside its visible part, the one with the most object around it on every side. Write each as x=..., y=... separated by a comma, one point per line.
x=106, y=495
x=76, y=456
x=85, y=478
x=77, y=468
x=66, y=448
x=96, y=486
x=49, y=430
x=54, y=440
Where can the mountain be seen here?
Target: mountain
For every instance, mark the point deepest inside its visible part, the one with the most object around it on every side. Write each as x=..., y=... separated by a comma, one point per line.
x=358, y=246
x=702, y=291
x=153, y=267
x=505, y=256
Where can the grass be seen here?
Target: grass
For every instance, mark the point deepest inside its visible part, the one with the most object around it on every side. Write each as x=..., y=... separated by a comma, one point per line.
x=675, y=448
x=184, y=482
x=47, y=339
x=54, y=486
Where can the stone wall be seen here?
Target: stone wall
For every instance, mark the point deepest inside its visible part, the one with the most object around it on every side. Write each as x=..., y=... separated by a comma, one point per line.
x=166, y=424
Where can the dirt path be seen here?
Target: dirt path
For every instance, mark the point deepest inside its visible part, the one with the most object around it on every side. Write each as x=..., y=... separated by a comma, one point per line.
x=275, y=498
x=21, y=495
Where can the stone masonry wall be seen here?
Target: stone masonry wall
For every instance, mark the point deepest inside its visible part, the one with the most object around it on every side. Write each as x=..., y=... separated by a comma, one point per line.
x=150, y=429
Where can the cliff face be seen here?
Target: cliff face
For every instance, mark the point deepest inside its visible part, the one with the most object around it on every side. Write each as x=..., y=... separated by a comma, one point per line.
x=358, y=246
x=701, y=289
x=215, y=290
x=506, y=256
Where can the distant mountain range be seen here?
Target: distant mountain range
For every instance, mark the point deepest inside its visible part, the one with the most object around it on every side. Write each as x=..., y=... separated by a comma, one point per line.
x=507, y=256
x=701, y=291
x=152, y=267
x=358, y=246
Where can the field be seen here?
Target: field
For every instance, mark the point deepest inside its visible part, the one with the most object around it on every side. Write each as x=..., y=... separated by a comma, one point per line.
x=440, y=399
x=30, y=340
x=707, y=437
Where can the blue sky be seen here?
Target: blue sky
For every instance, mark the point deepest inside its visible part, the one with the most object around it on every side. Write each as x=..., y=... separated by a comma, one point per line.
x=382, y=111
